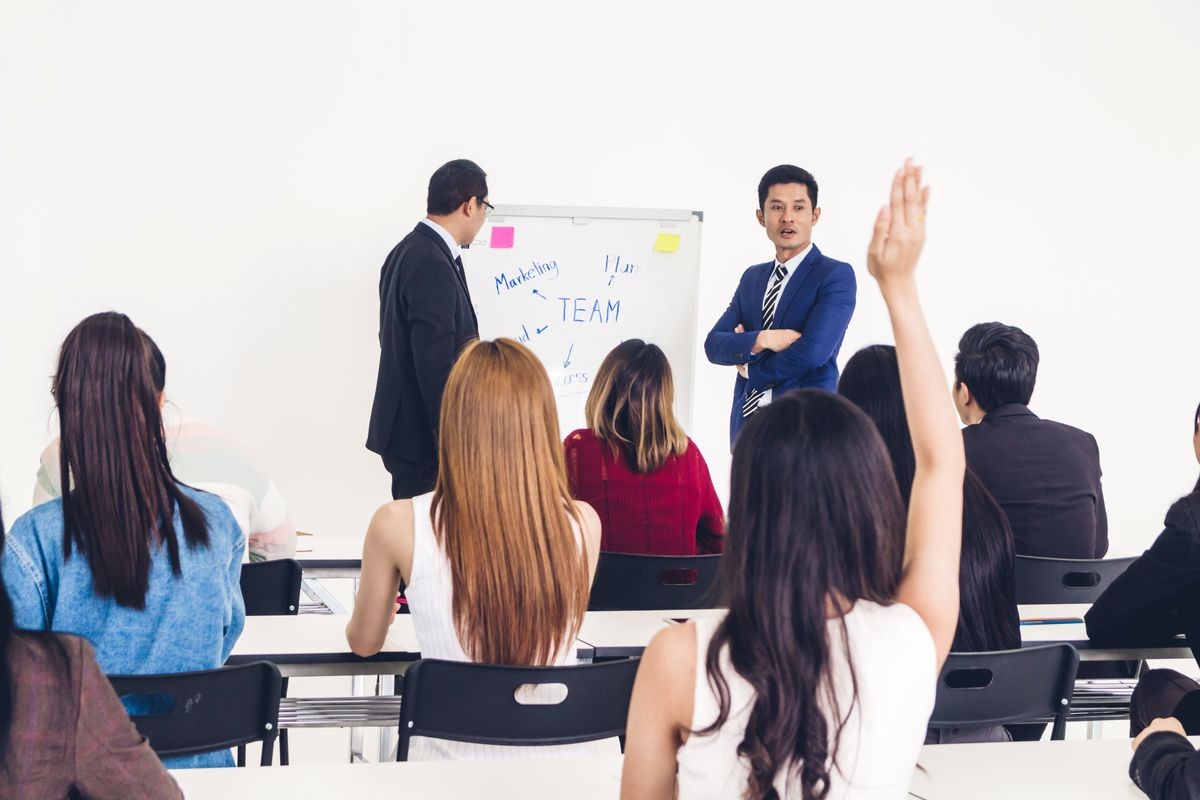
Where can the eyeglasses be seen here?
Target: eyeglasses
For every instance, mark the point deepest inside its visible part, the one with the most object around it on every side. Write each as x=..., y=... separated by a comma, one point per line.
x=488, y=208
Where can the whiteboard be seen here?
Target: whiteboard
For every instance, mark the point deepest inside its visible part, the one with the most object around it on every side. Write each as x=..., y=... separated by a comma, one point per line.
x=573, y=283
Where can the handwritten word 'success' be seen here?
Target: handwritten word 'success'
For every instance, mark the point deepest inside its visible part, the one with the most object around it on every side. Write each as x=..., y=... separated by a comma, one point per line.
x=526, y=274
x=567, y=380
x=584, y=310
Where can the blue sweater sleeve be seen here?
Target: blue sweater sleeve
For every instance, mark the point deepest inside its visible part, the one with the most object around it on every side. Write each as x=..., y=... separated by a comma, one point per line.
x=725, y=347
x=25, y=577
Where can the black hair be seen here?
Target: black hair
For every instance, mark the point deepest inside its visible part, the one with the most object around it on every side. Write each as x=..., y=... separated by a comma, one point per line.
x=987, y=615
x=786, y=173
x=454, y=183
x=998, y=363
x=158, y=364
x=1195, y=430
x=123, y=495
x=814, y=515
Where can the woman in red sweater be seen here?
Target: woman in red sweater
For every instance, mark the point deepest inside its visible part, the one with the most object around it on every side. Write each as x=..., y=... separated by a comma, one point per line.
x=635, y=465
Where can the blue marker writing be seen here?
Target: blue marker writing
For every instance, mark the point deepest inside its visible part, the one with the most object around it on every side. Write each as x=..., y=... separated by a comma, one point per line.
x=567, y=360
x=539, y=294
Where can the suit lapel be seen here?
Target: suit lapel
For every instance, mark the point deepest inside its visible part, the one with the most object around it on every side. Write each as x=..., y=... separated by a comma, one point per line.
x=752, y=308
x=803, y=272
x=430, y=233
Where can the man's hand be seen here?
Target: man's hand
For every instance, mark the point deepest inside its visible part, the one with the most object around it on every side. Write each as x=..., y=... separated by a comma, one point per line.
x=1157, y=726
x=777, y=340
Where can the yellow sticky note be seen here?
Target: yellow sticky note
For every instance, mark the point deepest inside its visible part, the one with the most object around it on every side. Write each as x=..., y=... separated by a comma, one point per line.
x=666, y=243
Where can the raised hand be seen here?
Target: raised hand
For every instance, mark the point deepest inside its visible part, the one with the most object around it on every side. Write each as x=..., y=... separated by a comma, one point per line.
x=899, y=231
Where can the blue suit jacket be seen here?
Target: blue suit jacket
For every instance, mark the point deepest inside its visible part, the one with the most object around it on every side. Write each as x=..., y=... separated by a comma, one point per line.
x=818, y=301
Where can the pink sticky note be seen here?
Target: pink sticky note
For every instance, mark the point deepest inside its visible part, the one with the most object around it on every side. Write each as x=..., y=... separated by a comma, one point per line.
x=502, y=238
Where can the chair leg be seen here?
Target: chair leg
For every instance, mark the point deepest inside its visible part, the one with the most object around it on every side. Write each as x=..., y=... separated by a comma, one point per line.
x=241, y=755
x=283, y=734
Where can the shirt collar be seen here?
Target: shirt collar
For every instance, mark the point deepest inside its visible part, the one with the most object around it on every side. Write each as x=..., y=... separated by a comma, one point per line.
x=455, y=250
x=795, y=260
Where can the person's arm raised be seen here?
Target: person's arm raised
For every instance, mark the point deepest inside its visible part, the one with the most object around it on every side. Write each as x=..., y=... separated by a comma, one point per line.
x=929, y=583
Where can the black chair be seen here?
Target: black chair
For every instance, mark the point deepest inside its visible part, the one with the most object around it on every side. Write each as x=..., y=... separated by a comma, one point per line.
x=1065, y=580
x=1033, y=684
x=201, y=712
x=634, y=582
x=465, y=702
x=272, y=589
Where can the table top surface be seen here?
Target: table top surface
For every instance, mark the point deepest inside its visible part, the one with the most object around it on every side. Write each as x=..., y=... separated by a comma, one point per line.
x=318, y=551
x=321, y=639
x=1093, y=769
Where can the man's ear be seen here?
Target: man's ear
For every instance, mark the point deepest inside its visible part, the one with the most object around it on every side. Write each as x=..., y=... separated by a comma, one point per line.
x=816, y=214
x=965, y=398
x=761, y=219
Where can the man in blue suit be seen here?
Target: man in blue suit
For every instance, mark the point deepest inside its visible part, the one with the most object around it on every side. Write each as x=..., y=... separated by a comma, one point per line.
x=787, y=319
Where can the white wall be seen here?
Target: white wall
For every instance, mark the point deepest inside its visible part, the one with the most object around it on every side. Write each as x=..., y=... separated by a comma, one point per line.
x=231, y=174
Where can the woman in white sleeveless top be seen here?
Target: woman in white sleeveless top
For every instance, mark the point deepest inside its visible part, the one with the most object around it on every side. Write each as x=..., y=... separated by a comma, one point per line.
x=820, y=679
x=498, y=560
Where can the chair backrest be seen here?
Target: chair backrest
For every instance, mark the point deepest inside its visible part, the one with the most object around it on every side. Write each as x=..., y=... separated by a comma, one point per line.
x=199, y=712
x=272, y=588
x=631, y=582
x=485, y=704
x=1032, y=684
x=1065, y=580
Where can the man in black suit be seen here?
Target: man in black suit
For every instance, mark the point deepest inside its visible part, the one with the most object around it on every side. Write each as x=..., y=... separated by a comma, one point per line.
x=425, y=318
x=1045, y=475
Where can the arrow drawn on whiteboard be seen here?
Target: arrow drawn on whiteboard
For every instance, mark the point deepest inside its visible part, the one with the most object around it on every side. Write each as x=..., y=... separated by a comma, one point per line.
x=567, y=360
x=539, y=330
x=539, y=294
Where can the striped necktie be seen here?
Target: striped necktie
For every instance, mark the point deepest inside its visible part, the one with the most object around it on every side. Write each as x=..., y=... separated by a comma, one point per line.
x=769, y=304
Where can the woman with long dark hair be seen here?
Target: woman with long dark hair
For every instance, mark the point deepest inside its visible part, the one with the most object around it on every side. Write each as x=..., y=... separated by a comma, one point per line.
x=498, y=561
x=987, y=598
x=819, y=680
x=634, y=464
x=145, y=568
x=63, y=732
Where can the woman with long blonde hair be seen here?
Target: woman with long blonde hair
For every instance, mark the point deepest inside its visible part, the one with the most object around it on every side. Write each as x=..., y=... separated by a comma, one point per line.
x=498, y=560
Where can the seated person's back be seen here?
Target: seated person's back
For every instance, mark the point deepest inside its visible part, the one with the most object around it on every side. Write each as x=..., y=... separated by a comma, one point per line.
x=634, y=464
x=145, y=569
x=1044, y=474
x=207, y=458
x=498, y=561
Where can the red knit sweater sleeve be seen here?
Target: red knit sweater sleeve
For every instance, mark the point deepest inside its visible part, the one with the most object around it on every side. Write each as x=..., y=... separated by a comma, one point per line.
x=710, y=529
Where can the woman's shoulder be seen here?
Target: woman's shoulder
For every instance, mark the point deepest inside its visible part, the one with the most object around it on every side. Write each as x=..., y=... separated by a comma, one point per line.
x=1185, y=512
x=581, y=438
x=44, y=520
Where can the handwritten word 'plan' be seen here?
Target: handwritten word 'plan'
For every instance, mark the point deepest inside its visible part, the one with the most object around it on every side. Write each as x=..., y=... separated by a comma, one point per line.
x=525, y=274
x=585, y=310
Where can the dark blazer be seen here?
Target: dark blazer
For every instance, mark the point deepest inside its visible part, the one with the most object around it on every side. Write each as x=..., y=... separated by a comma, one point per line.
x=1046, y=477
x=1158, y=596
x=425, y=318
x=818, y=301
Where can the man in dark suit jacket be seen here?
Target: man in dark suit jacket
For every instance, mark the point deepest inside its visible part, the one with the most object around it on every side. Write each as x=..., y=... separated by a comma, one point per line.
x=1045, y=475
x=425, y=318
x=787, y=319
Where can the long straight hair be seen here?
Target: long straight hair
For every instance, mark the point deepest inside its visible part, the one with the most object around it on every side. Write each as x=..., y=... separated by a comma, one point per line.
x=814, y=519
x=1195, y=430
x=123, y=495
x=502, y=509
x=632, y=406
x=987, y=609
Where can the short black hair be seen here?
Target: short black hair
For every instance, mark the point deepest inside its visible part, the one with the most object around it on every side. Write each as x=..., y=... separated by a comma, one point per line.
x=454, y=183
x=786, y=173
x=998, y=363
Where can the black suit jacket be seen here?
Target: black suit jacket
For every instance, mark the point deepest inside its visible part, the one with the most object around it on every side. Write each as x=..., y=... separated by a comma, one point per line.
x=425, y=318
x=1158, y=596
x=1046, y=477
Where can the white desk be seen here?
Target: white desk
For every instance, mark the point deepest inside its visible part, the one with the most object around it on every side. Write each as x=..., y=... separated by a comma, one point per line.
x=1093, y=769
x=626, y=633
x=315, y=644
x=329, y=557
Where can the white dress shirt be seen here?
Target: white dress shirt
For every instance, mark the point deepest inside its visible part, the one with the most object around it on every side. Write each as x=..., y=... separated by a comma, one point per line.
x=455, y=251
x=791, y=265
